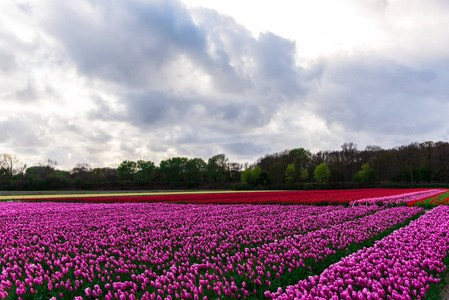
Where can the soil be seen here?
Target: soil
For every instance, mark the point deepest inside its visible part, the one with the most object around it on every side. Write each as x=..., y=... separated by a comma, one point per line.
x=445, y=291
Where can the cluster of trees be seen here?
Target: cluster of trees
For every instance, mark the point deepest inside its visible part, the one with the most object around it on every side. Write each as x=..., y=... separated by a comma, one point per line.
x=181, y=172
x=175, y=172
x=410, y=164
x=290, y=167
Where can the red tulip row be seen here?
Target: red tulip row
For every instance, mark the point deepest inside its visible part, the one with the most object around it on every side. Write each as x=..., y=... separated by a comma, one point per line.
x=285, y=197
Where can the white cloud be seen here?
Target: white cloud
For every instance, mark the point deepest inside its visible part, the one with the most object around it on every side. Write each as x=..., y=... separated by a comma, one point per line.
x=100, y=82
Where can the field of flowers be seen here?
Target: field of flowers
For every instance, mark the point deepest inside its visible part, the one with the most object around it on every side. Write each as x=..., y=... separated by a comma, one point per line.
x=376, y=247
x=400, y=266
x=401, y=199
x=435, y=200
x=143, y=250
x=285, y=197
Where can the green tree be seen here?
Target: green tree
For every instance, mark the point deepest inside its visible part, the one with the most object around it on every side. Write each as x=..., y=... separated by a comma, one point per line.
x=195, y=171
x=304, y=174
x=174, y=170
x=254, y=176
x=41, y=177
x=322, y=173
x=11, y=165
x=82, y=175
x=234, y=170
x=216, y=168
x=301, y=157
x=289, y=174
x=246, y=176
x=264, y=178
x=277, y=172
x=110, y=174
x=98, y=176
x=144, y=172
x=126, y=170
x=365, y=175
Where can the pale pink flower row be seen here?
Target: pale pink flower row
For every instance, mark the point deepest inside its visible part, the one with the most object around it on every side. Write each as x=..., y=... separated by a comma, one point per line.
x=399, y=199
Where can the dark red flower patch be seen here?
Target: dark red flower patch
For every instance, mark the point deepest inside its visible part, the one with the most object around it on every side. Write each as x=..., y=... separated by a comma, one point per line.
x=285, y=197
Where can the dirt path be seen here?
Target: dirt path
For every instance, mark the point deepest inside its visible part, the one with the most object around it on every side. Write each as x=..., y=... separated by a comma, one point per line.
x=445, y=291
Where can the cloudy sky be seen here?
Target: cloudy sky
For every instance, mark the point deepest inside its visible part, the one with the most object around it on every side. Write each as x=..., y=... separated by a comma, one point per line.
x=101, y=81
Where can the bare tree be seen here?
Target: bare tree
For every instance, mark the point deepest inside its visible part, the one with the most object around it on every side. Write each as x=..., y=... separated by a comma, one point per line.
x=48, y=163
x=350, y=157
x=12, y=164
x=440, y=161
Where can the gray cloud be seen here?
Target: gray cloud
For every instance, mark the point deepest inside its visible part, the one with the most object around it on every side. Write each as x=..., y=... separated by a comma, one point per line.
x=105, y=111
x=246, y=148
x=135, y=42
x=24, y=132
x=27, y=93
x=154, y=108
x=107, y=81
x=8, y=42
x=277, y=66
x=382, y=96
x=7, y=62
x=128, y=42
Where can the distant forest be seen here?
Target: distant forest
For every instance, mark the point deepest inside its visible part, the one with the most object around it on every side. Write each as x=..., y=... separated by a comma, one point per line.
x=424, y=163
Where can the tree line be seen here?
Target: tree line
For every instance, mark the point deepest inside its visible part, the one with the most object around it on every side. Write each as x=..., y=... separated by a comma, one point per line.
x=416, y=163
x=175, y=172
x=426, y=162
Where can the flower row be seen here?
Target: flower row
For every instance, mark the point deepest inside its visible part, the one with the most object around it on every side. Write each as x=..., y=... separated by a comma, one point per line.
x=285, y=197
x=403, y=265
x=438, y=199
x=401, y=198
x=146, y=250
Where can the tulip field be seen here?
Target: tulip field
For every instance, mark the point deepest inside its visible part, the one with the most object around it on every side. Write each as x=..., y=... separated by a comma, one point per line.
x=401, y=266
x=225, y=246
x=438, y=199
x=284, y=197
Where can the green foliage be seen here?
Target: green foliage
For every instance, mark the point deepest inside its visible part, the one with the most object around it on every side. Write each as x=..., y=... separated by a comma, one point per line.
x=246, y=176
x=435, y=289
x=4, y=173
x=216, y=168
x=255, y=176
x=98, y=176
x=431, y=202
x=144, y=172
x=301, y=157
x=304, y=175
x=195, y=171
x=264, y=178
x=290, y=174
x=141, y=172
x=250, y=176
x=365, y=175
x=174, y=170
x=276, y=172
x=241, y=187
x=126, y=170
x=322, y=173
